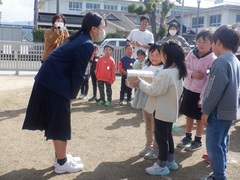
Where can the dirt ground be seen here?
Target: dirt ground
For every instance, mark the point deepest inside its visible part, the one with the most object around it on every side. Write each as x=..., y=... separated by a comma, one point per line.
x=108, y=140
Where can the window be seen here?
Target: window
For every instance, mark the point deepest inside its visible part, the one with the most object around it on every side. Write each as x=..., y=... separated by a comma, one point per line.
x=215, y=20
x=92, y=6
x=110, y=7
x=238, y=18
x=75, y=6
x=124, y=8
x=200, y=22
x=112, y=43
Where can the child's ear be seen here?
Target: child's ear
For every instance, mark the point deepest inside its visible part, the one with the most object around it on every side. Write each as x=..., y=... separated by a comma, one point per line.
x=218, y=43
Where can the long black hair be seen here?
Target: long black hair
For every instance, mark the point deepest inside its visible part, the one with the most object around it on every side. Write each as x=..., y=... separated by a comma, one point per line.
x=90, y=19
x=174, y=54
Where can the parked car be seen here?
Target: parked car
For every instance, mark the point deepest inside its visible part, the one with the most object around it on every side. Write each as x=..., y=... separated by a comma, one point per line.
x=120, y=42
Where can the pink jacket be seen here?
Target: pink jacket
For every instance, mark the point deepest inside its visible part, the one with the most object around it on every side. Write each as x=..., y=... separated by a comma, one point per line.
x=202, y=64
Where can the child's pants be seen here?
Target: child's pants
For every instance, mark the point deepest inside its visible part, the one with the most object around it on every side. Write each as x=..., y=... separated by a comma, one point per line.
x=163, y=134
x=85, y=86
x=149, y=131
x=108, y=90
x=94, y=84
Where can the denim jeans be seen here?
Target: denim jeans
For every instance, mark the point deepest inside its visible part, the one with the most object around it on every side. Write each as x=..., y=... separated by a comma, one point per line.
x=216, y=143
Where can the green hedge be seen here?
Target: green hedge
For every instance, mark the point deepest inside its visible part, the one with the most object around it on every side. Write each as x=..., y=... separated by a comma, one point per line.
x=38, y=34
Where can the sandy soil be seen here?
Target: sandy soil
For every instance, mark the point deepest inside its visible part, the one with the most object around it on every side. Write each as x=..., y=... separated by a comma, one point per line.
x=108, y=140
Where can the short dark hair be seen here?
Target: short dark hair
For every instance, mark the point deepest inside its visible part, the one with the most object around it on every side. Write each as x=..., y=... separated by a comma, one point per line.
x=205, y=33
x=111, y=47
x=143, y=18
x=228, y=36
x=152, y=48
x=142, y=51
x=58, y=16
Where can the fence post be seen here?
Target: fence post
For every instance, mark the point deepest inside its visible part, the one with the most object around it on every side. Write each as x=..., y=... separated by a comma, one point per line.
x=16, y=60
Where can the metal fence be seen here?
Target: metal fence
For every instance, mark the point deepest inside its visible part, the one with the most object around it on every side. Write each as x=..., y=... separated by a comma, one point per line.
x=20, y=56
x=26, y=56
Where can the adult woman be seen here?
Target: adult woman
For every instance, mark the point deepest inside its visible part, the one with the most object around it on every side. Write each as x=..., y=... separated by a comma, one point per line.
x=173, y=34
x=57, y=82
x=55, y=36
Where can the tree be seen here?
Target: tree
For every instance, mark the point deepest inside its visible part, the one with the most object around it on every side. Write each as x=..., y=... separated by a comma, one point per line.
x=150, y=8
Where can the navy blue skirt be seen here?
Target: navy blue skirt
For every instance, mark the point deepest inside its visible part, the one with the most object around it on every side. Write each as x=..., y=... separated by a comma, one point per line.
x=189, y=105
x=50, y=112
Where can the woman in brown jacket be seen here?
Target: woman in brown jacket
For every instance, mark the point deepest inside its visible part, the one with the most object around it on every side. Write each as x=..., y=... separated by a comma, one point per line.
x=55, y=36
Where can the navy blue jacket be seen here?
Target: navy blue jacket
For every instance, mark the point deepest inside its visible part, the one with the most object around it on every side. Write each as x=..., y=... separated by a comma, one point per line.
x=64, y=69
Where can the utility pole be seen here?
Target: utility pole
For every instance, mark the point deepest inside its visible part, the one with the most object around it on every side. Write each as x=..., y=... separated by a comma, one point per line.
x=57, y=7
x=35, y=17
x=182, y=16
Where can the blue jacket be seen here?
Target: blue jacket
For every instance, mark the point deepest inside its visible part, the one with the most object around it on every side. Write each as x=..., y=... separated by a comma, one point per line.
x=64, y=69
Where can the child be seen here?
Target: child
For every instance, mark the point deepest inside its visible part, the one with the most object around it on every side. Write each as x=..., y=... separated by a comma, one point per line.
x=85, y=85
x=93, y=62
x=220, y=100
x=162, y=102
x=124, y=64
x=155, y=65
x=198, y=63
x=141, y=57
x=105, y=73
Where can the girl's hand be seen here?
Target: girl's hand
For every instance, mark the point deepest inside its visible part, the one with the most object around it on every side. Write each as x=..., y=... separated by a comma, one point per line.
x=134, y=83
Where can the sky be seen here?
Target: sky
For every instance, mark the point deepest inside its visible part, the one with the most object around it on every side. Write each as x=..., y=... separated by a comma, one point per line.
x=22, y=10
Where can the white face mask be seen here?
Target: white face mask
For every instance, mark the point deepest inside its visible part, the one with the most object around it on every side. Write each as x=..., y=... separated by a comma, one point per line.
x=101, y=36
x=172, y=32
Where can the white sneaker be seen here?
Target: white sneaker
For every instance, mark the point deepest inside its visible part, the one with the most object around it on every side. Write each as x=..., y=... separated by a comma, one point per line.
x=69, y=166
x=69, y=156
x=85, y=97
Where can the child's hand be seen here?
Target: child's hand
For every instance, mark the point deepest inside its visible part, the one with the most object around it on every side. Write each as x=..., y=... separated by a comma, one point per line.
x=204, y=119
x=198, y=75
x=135, y=83
x=200, y=103
x=138, y=44
x=124, y=72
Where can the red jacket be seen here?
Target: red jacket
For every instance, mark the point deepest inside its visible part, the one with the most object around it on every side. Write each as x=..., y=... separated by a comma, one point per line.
x=105, y=70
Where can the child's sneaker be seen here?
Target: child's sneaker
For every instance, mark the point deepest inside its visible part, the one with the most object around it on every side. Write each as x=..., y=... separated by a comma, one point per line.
x=144, y=151
x=70, y=166
x=207, y=160
x=151, y=155
x=121, y=103
x=69, y=156
x=129, y=103
x=204, y=156
x=85, y=97
x=184, y=142
x=157, y=170
x=101, y=102
x=81, y=96
x=108, y=103
x=172, y=165
x=194, y=146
